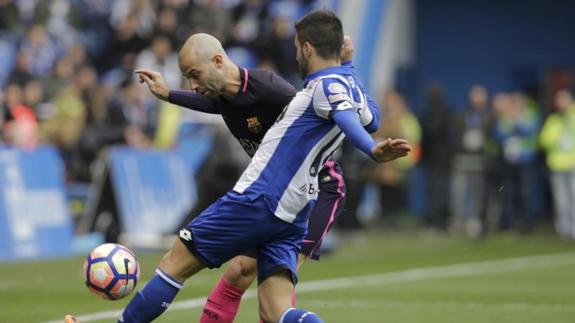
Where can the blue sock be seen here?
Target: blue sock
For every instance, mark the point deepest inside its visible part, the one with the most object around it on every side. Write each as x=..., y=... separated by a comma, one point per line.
x=151, y=301
x=293, y=315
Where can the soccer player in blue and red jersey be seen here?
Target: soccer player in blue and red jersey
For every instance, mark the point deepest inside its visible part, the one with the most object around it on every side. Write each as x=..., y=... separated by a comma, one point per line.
x=269, y=207
x=249, y=109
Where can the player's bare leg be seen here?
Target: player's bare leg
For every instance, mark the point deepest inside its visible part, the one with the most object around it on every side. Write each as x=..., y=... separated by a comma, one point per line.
x=275, y=299
x=224, y=300
x=180, y=263
x=274, y=295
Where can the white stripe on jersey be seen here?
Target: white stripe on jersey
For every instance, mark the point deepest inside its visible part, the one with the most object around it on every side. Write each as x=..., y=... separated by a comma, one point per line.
x=303, y=187
x=271, y=140
x=285, y=172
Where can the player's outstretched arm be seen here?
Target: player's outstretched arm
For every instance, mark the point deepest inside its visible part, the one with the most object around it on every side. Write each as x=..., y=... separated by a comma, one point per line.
x=184, y=98
x=348, y=122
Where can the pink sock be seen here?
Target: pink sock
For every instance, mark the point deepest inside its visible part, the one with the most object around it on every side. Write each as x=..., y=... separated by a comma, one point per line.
x=222, y=304
x=292, y=302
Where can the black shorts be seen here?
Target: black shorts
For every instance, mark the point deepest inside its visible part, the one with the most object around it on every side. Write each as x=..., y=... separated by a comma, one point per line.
x=329, y=205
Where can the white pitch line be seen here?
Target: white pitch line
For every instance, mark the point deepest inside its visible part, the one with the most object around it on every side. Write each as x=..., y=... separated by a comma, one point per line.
x=7, y=285
x=410, y=275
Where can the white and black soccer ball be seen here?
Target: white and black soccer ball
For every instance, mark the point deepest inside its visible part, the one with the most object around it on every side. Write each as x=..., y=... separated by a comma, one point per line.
x=111, y=271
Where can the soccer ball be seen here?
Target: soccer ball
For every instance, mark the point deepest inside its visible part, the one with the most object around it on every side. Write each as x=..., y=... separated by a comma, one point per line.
x=111, y=271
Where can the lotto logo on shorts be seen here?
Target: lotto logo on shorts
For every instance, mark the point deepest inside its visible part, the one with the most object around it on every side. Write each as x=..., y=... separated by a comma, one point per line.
x=186, y=234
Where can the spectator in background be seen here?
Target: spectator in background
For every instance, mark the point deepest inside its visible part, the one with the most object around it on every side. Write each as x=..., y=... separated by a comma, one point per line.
x=9, y=18
x=208, y=16
x=20, y=127
x=21, y=73
x=136, y=115
x=161, y=57
x=248, y=18
x=353, y=164
x=167, y=26
x=61, y=76
x=276, y=47
x=557, y=139
x=436, y=155
x=40, y=51
x=468, y=198
x=392, y=178
x=72, y=106
x=515, y=131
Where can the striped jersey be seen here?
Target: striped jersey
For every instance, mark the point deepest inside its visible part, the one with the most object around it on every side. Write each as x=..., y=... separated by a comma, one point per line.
x=284, y=168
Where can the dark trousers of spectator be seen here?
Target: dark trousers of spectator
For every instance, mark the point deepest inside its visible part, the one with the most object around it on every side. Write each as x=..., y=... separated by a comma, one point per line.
x=518, y=211
x=438, y=183
x=348, y=220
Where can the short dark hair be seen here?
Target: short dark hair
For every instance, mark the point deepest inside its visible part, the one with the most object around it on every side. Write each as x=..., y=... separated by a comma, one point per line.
x=323, y=30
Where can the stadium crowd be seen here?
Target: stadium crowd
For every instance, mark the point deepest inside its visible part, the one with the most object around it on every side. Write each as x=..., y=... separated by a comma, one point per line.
x=505, y=161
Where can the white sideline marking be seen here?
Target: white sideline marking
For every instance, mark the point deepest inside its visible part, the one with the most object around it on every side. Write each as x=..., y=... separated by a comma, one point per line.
x=410, y=275
x=413, y=305
x=7, y=285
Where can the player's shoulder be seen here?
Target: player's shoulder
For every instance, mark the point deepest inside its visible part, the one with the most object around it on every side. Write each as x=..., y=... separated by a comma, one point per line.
x=333, y=84
x=270, y=79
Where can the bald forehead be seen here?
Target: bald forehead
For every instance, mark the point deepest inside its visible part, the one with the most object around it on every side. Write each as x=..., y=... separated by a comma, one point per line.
x=202, y=47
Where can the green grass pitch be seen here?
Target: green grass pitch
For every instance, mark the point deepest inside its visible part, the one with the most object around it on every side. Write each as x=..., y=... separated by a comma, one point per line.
x=409, y=277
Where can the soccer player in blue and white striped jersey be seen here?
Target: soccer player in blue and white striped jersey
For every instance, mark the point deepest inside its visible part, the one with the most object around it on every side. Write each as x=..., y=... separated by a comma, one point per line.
x=269, y=207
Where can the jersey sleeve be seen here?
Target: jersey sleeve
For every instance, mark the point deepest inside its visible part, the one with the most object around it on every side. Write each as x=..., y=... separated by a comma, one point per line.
x=330, y=95
x=369, y=117
x=192, y=100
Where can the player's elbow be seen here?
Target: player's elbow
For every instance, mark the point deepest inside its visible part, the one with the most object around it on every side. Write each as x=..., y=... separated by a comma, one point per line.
x=372, y=126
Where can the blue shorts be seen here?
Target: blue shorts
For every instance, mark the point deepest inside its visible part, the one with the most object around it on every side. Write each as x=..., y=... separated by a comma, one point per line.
x=236, y=223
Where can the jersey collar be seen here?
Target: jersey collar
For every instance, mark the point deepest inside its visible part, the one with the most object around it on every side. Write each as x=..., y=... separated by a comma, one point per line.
x=325, y=71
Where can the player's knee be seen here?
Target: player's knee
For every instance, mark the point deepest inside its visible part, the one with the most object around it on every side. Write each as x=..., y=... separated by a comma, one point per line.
x=241, y=273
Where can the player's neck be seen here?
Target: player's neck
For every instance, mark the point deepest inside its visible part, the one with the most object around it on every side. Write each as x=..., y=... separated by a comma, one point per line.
x=233, y=81
x=317, y=64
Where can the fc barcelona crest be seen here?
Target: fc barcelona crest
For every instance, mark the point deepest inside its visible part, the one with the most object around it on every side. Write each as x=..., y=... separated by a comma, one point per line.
x=254, y=125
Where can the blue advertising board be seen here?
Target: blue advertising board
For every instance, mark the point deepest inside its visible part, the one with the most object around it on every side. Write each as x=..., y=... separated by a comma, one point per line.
x=154, y=191
x=34, y=217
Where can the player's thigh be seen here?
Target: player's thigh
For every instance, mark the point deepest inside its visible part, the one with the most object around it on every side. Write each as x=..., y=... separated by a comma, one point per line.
x=179, y=263
x=275, y=295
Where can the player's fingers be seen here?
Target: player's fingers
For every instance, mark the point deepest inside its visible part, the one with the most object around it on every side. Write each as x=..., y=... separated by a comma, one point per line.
x=398, y=142
x=145, y=78
x=151, y=74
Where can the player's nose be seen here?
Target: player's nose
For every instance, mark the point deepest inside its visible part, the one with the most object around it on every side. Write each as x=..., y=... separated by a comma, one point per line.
x=194, y=85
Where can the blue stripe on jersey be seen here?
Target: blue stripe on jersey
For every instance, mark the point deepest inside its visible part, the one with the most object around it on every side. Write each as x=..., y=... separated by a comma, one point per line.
x=276, y=172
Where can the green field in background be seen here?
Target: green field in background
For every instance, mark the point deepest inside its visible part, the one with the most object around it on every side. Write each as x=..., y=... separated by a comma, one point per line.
x=541, y=290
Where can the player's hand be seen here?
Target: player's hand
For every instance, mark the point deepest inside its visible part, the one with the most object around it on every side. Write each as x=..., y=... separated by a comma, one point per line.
x=347, y=49
x=155, y=82
x=390, y=149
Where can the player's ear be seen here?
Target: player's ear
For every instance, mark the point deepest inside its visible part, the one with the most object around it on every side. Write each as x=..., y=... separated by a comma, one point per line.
x=307, y=49
x=218, y=60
